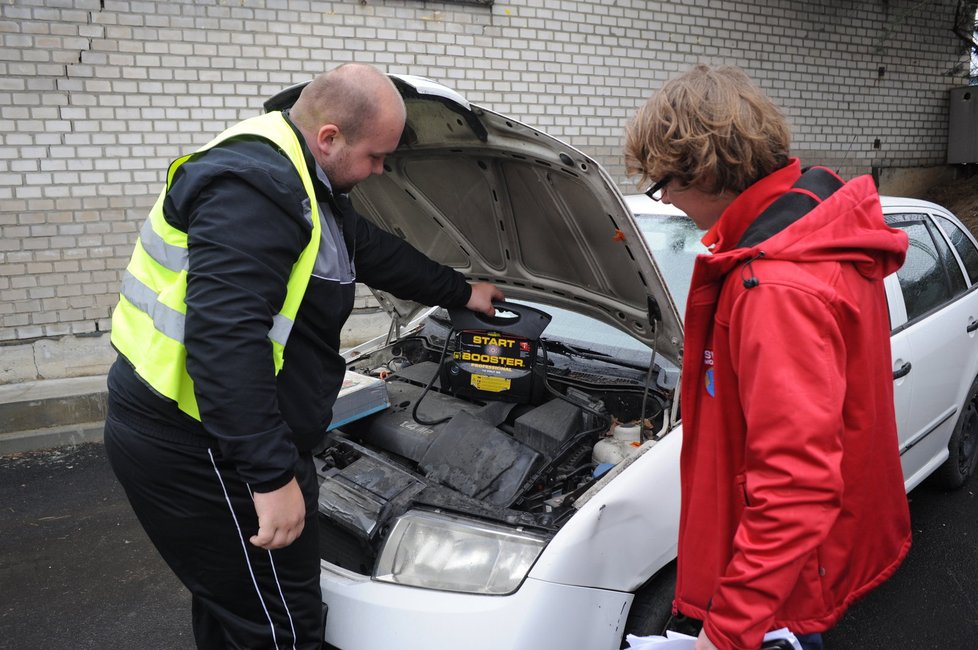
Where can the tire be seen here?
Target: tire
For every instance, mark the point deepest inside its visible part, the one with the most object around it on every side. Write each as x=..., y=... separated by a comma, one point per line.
x=963, y=445
x=652, y=606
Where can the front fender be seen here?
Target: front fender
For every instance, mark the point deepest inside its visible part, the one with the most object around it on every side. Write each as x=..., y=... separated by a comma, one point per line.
x=626, y=531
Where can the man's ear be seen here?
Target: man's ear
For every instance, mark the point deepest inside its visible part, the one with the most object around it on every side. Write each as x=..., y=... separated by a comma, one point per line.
x=326, y=137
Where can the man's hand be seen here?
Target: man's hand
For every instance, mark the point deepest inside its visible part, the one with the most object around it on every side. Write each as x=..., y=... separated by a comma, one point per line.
x=703, y=642
x=483, y=293
x=281, y=516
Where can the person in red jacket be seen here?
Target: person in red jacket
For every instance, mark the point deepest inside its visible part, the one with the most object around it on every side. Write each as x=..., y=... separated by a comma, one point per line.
x=793, y=502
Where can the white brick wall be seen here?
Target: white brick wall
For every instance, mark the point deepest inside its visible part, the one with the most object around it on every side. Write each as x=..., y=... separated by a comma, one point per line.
x=96, y=97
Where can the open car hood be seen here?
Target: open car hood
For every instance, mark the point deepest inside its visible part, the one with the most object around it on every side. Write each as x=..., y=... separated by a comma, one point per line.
x=502, y=202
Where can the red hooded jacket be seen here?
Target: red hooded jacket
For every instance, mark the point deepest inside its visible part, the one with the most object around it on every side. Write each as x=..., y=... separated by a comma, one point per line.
x=793, y=502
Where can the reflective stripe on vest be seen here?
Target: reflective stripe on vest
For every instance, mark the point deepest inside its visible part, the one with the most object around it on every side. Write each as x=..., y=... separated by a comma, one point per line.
x=148, y=323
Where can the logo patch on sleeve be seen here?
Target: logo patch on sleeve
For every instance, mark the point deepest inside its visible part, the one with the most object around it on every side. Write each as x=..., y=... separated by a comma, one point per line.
x=708, y=374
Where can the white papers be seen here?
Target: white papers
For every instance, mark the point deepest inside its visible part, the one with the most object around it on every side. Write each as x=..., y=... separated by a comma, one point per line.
x=671, y=641
x=783, y=633
x=359, y=396
x=676, y=641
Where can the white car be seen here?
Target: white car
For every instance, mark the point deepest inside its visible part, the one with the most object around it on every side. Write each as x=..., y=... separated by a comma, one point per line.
x=514, y=482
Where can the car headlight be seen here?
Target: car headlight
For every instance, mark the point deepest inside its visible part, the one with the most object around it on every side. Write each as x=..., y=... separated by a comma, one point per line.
x=438, y=551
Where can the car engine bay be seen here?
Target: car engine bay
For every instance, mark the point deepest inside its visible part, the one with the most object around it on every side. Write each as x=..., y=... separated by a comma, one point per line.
x=486, y=418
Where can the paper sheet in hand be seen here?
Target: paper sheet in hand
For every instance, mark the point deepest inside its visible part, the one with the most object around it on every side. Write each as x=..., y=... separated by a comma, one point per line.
x=672, y=641
x=783, y=633
x=677, y=641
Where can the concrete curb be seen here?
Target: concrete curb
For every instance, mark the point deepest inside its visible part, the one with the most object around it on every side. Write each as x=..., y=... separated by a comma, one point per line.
x=51, y=413
x=48, y=413
x=38, y=439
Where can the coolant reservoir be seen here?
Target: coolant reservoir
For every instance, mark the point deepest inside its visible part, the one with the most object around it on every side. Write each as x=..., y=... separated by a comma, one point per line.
x=612, y=450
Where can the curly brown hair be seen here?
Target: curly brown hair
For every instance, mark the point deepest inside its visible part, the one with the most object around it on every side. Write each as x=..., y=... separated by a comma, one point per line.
x=711, y=127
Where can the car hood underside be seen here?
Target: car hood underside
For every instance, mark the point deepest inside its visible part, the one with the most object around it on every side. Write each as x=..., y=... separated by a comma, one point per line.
x=502, y=202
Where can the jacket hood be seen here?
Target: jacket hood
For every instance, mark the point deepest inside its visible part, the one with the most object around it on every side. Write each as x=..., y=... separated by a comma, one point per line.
x=847, y=226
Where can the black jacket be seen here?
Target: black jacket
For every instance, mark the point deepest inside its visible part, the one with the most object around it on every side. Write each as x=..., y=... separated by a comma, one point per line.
x=241, y=206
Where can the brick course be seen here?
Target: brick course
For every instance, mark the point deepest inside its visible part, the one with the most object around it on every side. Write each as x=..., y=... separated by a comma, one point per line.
x=97, y=96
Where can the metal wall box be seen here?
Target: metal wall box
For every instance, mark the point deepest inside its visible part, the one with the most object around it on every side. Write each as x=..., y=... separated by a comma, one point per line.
x=962, y=137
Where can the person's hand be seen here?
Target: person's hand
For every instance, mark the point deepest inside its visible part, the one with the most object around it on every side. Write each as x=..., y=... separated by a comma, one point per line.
x=281, y=516
x=483, y=293
x=703, y=642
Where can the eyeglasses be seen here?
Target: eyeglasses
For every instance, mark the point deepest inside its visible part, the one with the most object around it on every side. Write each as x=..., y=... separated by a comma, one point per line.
x=655, y=192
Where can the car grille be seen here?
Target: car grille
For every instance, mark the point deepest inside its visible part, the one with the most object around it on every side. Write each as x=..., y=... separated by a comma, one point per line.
x=342, y=548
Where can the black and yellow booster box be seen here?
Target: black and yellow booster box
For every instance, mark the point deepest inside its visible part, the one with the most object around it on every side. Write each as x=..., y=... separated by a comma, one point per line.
x=495, y=358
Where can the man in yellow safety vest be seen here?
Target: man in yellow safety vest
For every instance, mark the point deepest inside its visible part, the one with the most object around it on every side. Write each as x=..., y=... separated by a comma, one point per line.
x=228, y=330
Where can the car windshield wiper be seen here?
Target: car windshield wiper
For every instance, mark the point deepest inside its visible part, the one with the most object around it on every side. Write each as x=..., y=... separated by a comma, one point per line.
x=554, y=345
x=559, y=347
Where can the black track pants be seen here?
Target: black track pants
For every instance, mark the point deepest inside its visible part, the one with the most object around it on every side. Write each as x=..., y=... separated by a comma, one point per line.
x=199, y=516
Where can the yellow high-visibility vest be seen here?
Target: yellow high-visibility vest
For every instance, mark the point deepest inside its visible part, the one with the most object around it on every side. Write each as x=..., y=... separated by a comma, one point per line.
x=148, y=322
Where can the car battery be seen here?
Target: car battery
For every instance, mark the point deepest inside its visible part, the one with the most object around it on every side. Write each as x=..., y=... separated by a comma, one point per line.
x=494, y=358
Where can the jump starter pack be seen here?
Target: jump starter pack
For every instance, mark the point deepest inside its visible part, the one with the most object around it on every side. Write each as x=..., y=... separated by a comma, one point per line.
x=495, y=357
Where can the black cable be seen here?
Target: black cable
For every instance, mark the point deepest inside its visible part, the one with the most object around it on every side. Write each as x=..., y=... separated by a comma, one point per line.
x=645, y=391
x=441, y=362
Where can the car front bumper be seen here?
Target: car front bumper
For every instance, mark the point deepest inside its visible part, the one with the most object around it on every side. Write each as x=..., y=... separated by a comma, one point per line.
x=367, y=615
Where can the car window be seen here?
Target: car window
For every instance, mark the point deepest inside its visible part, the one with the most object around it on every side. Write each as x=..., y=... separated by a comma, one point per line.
x=963, y=244
x=930, y=276
x=674, y=242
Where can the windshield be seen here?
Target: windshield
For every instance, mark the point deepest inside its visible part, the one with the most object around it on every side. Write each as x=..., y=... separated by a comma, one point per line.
x=674, y=241
x=590, y=333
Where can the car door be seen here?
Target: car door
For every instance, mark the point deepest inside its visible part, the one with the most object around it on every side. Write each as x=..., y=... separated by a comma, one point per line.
x=934, y=346
x=901, y=357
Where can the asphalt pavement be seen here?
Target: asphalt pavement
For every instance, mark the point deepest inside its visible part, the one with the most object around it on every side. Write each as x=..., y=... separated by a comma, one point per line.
x=76, y=569
x=77, y=572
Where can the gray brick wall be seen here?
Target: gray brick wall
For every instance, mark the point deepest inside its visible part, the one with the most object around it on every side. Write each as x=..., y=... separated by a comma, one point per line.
x=96, y=97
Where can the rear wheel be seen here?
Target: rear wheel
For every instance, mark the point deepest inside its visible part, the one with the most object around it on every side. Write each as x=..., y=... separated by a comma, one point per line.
x=963, y=446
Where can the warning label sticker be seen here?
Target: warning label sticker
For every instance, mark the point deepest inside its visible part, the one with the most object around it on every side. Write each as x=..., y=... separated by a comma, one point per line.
x=490, y=384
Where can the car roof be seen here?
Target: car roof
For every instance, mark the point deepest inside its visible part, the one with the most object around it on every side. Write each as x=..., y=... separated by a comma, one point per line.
x=641, y=204
x=891, y=203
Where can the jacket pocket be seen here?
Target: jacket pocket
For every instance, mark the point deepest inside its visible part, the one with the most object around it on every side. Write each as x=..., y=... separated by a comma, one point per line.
x=807, y=600
x=740, y=501
x=740, y=481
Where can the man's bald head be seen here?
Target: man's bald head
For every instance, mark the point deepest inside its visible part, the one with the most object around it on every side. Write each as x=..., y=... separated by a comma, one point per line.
x=351, y=118
x=352, y=96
